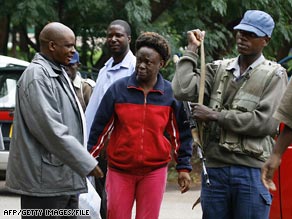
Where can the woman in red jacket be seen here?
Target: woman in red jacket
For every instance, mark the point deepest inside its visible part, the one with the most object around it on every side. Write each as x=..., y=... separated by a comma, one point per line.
x=136, y=112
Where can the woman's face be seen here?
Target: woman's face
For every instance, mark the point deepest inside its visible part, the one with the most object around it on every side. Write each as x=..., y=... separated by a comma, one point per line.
x=148, y=64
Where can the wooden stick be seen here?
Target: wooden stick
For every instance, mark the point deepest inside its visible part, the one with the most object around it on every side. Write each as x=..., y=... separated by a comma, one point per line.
x=203, y=74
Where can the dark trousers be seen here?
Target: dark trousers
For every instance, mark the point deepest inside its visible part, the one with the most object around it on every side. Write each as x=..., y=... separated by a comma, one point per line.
x=49, y=203
x=100, y=187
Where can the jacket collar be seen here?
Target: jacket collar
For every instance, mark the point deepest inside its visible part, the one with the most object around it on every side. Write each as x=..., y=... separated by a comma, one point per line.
x=44, y=61
x=158, y=87
x=234, y=65
x=125, y=63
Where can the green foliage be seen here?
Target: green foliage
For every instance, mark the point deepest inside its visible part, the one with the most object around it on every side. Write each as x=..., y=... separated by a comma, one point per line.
x=219, y=6
x=138, y=11
x=90, y=18
x=27, y=11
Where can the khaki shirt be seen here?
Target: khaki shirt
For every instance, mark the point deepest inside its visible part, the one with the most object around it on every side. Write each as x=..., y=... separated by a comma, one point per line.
x=83, y=88
x=283, y=113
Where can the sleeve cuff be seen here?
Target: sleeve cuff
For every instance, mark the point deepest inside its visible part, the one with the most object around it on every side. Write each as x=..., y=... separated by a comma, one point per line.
x=184, y=170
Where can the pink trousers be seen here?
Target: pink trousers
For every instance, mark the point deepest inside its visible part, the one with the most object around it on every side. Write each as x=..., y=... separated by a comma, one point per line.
x=123, y=189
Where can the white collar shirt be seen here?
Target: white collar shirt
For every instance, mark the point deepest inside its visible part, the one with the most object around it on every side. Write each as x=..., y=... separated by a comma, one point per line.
x=106, y=77
x=234, y=66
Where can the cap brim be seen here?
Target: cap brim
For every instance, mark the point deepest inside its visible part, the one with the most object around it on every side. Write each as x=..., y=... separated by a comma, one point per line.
x=73, y=61
x=249, y=28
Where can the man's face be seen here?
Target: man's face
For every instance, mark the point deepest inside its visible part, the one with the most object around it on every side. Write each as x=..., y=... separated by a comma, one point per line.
x=117, y=40
x=63, y=49
x=249, y=43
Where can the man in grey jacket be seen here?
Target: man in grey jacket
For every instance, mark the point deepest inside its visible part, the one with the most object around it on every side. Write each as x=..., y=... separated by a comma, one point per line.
x=48, y=161
x=241, y=95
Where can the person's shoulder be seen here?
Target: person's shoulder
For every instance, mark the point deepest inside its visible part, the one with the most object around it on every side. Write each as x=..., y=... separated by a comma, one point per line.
x=119, y=86
x=225, y=61
x=275, y=67
x=131, y=54
x=89, y=82
x=37, y=69
x=271, y=63
x=123, y=80
x=164, y=84
x=130, y=59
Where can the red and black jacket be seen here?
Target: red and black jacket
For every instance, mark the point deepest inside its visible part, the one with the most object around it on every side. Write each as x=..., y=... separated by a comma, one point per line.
x=143, y=129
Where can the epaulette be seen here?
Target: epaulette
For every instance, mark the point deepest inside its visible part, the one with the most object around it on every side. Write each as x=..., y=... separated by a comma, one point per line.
x=223, y=62
x=90, y=82
x=217, y=62
x=279, y=70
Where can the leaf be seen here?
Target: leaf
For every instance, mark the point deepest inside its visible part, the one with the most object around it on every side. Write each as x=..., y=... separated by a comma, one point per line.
x=219, y=6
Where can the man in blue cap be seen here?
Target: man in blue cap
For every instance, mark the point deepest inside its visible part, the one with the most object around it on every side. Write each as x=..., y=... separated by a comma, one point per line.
x=241, y=95
x=83, y=87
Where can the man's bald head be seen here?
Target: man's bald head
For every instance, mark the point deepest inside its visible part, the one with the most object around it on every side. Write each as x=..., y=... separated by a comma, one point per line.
x=54, y=31
x=57, y=43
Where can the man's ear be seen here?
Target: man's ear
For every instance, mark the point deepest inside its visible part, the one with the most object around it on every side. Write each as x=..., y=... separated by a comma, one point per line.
x=267, y=40
x=129, y=38
x=51, y=45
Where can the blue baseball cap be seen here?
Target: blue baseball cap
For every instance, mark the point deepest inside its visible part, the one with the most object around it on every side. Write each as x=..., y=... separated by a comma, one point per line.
x=75, y=58
x=258, y=22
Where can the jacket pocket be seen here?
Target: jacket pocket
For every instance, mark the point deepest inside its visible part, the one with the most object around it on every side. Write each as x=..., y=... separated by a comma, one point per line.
x=230, y=141
x=50, y=159
x=260, y=148
x=55, y=175
x=253, y=146
x=267, y=198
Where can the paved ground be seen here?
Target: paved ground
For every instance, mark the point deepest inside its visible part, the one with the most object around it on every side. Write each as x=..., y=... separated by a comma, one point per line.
x=174, y=206
x=179, y=206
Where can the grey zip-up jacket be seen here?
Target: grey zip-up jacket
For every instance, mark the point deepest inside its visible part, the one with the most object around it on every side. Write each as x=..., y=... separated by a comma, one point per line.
x=47, y=154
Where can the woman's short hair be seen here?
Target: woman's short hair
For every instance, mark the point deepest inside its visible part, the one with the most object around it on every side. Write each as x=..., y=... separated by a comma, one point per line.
x=155, y=41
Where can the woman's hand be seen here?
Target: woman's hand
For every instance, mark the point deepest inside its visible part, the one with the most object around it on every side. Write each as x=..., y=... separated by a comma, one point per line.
x=184, y=181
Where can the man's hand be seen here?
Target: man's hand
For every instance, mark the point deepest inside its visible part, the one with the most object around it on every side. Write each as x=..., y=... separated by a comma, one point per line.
x=283, y=141
x=195, y=37
x=268, y=171
x=184, y=181
x=203, y=113
x=96, y=172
